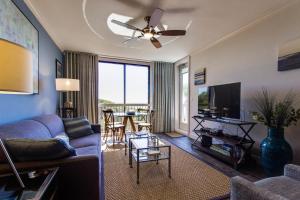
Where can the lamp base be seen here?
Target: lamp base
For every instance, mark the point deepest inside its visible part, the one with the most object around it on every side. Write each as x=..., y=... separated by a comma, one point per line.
x=68, y=104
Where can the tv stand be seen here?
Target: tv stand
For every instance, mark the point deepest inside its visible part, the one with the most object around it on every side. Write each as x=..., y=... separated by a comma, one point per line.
x=229, y=148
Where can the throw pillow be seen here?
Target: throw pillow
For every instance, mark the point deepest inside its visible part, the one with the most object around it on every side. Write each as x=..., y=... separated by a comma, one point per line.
x=63, y=137
x=22, y=149
x=77, y=127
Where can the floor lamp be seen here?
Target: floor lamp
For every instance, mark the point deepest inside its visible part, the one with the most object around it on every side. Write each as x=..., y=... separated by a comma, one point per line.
x=16, y=77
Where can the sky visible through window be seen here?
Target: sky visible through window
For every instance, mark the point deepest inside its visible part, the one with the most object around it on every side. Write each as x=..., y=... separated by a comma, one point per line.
x=111, y=83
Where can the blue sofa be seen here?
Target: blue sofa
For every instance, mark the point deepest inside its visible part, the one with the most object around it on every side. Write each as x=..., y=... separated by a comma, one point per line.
x=286, y=187
x=79, y=176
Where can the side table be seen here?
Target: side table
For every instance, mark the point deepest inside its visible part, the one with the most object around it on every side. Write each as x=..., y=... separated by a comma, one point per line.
x=43, y=186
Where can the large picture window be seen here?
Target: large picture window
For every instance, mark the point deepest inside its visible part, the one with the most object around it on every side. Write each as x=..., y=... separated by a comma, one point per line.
x=121, y=83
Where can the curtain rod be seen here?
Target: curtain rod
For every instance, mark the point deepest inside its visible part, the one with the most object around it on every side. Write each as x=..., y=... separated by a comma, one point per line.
x=122, y=58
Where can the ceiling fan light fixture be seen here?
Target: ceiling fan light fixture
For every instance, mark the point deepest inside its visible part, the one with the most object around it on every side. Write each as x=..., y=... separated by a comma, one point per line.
x=148, y=36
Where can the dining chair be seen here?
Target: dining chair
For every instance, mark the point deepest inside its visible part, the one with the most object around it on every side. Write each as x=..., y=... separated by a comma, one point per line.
x=148, y=124
x=111, y=125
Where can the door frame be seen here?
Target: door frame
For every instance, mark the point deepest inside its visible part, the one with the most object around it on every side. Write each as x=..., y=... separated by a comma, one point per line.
x=186, y=61
x=183, y=126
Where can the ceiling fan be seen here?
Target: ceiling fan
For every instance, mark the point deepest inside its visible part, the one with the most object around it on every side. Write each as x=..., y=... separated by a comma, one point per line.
x=149, y=31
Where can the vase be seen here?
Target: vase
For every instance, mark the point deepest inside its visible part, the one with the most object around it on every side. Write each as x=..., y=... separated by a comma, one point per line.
x=275, y=152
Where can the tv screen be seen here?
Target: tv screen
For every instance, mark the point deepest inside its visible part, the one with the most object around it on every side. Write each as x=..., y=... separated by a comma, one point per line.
x=224, y=100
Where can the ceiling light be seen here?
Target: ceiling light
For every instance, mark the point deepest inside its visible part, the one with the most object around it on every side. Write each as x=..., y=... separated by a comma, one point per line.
x=148, y=36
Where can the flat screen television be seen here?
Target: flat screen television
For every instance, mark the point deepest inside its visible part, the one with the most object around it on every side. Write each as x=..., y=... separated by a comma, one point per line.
x=224, y=100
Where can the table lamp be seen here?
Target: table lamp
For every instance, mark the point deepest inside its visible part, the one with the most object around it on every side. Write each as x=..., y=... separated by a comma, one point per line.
x=67, y=85
x=16, y=69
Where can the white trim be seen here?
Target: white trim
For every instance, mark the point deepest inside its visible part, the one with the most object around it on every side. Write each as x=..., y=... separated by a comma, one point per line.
x=177, y=120
x=43, y=23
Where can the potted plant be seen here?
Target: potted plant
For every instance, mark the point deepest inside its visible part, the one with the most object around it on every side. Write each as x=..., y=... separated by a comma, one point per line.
x=276, y=115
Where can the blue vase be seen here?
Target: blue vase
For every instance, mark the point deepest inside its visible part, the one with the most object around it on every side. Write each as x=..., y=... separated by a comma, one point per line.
x=275, y=152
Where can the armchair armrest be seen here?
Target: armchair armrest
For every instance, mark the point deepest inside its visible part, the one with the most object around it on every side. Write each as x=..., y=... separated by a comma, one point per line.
x=242, y=189
x=96, y=128
x=292, y=171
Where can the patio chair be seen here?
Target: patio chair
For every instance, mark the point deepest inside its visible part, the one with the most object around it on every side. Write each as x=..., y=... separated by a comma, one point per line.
x=142, y=118
x=111, y=125
x=148, y=124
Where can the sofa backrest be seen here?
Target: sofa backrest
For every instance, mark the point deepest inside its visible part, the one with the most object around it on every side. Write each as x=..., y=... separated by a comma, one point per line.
x=25, y=129
x=53, y=123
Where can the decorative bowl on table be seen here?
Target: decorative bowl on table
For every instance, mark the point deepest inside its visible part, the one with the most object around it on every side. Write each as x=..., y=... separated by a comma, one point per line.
x=130, y=113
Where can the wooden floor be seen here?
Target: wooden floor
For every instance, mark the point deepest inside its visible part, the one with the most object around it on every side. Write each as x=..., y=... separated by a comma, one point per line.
x=252, y=171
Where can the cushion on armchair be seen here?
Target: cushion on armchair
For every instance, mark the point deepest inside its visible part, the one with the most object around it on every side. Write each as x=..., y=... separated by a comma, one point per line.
x=22, y=149
x=77, y=127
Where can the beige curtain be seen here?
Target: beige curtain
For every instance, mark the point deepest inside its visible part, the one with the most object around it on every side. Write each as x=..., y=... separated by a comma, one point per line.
x=83, y=66
x=163, y=97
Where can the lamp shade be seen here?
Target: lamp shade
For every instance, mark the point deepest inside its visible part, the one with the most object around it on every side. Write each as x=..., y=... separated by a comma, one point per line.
x=16, y=69
x=67, y=84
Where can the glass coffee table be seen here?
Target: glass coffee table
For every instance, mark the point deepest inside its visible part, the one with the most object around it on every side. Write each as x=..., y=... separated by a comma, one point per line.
x=148, y=149
x=133, y=135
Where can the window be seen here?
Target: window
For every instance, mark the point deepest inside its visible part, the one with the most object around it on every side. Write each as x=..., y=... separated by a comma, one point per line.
x=137, y=79
x=121, y=83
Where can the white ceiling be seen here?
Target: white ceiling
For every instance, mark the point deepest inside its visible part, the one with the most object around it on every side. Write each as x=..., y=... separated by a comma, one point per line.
x=81, y=25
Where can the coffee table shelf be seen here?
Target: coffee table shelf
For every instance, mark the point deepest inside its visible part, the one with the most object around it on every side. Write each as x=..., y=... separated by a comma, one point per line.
x=144, y=157
x=139, y=148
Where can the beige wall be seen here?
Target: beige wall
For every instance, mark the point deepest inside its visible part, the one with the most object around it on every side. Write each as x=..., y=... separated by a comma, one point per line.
x=250, y=57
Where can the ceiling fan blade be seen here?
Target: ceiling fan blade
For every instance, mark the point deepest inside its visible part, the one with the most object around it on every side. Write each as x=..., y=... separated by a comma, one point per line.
x=161, y=27
x=172, y=32
x=180, y=10
x=133, y=3
x=156, y=17
x=131, y=39
x=155, y=42
x=125, y=25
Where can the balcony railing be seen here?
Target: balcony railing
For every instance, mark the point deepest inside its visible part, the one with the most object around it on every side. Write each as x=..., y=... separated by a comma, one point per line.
x=120, y=108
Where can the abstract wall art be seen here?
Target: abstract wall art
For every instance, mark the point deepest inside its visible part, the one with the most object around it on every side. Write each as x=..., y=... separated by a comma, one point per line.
x=16, y=28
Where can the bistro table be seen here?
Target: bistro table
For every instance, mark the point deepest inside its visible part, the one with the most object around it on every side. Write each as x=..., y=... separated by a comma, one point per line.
x=129, y=116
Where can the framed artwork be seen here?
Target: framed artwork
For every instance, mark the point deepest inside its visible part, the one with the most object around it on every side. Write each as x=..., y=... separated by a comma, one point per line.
x=59, y=69
x=200, y=77
x=16, y=28
x=289, y=56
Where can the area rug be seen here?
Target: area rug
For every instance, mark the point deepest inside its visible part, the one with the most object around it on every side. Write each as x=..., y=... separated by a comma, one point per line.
x=191, y=178
x=174, y=135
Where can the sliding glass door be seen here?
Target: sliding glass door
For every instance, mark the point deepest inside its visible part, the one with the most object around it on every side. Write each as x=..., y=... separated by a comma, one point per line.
x=123, y=87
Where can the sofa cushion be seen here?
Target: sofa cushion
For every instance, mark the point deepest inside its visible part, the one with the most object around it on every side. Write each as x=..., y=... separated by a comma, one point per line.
x=53, y=122
x=282, y=185
x=90, y=150
x=77, y=127
x=35, y=150
x=90, y=140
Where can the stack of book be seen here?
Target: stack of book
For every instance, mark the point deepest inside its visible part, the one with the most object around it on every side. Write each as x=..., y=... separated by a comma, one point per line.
x=222, y=149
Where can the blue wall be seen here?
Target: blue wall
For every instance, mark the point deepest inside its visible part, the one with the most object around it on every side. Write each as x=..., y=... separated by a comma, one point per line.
x=17, y=107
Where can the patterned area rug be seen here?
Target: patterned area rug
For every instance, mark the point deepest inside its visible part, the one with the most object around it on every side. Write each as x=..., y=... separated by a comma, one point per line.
x=191, y=178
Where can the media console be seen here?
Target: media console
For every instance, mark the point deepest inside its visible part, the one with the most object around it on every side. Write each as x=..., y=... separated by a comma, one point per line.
x=229, y=148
